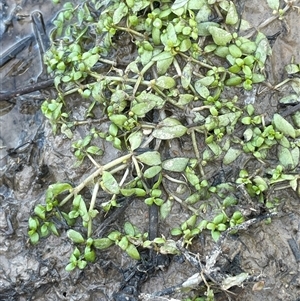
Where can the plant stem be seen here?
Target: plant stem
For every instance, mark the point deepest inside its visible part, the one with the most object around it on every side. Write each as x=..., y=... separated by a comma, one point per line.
x=92, y=205
x=196, y=61
x=267, y=22
x=196, y=151
x=141, y=76
x=95, y=174
x=129, y=30
x=100, y=77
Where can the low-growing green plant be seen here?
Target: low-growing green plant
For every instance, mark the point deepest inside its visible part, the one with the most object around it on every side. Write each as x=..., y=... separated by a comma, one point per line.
x=174, y=86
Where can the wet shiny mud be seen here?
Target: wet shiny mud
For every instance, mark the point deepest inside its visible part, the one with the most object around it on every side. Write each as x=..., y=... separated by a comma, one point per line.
x=31, y=158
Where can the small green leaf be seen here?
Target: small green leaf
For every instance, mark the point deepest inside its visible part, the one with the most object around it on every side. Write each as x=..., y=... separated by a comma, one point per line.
x=218, y=219
x=66, y=131
x=141, y=109
x=231, y=155
x=257, y=78
x=289, y=159
x=102, y=243
x=44, y=230
x=176, y=231
x=215, y=148
x=185, y=45
x=222, y=51
x=70, y=267
x=92, y=60
x=179, y=4
x=75, y=254
x=145, y=98
x=289, y=99
x=169, y=128
x=203, y=28
x=135, y=139
x=169, y=37
x=211, y=226
x=202, y=225
x=89, y=255
x=118, y=119
x=273, y=4
x=55, y=189
x=133, y=252
x=40, y=211
x=193, y=198
x=81, y=264
x=158, y=201
x=229, y=201
x=129, y=229
x=53, y=229
x=152, y=171
x=234, y=51
x=114, y=235
x=233, y=81
x=123, y=243
x=263, y=49
x=192, y=221
x=165, y=82
x=294, y=184
x=201, y=89
x=237, y=215
x=220, y=36
x=215, y=235
x=207, y=80
x=120, y=12
x=150, y=158
x=113, y=130
x=292, y=68
x=250, y=109
x=94, y=150
x=149, y=201
x=232, y=16
x=109, y=183
x=221, y=227
x=165, y=209
x=261, y=183
x=133, y=191
x=34, y=238
x=248, y=47
x=67, y=78
x=192, y=178
x=75, y=236
x=284, y=126
x=163, y=65
x=186, y=75
x=146, y=57
x=175, y=164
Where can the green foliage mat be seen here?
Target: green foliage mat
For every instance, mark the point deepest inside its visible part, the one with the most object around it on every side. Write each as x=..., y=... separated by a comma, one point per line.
x=163, y=72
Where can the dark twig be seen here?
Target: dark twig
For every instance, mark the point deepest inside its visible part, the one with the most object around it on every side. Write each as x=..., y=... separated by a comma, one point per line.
x=13, y=51
x=112, y=217
x=293, y=245
x=290, y=110
x=7, y=96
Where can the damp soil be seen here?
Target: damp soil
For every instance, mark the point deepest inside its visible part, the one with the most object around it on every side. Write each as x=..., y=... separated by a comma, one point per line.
x=32, y=158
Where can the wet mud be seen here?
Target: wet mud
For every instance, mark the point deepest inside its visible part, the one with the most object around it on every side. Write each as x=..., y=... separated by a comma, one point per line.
x=31, y=158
